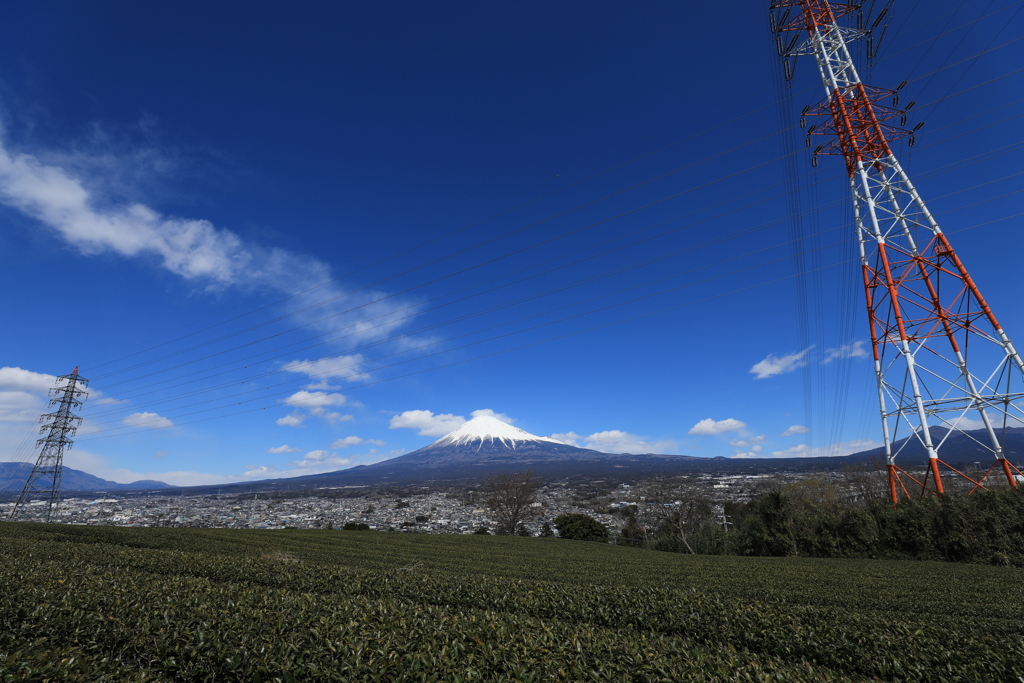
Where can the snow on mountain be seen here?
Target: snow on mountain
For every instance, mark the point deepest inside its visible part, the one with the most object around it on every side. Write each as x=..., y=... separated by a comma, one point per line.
x=486, y=430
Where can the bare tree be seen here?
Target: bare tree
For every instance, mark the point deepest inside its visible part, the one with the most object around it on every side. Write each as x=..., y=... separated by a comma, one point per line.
x=509, y=495
x=868, y=481
x=680, y=507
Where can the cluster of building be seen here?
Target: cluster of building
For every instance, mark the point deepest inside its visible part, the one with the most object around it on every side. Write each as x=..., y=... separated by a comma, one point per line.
x=438, y=513
x=462, y=512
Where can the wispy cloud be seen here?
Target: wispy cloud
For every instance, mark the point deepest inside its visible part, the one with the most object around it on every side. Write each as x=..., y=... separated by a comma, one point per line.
x=852, y=350
x=333, y=367
x=427, y=422
x=291, y=420
x=831, y=450
x=795, y=429
x=277, y=450
x=568, y=438
x=778, y=365
x=95, y=220
x=318, y=404
x=148, y=421
x=709, y=427
x=617, y=441
x=498, y=416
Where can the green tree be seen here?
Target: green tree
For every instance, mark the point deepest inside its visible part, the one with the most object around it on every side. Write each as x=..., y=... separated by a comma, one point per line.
x=579, y=527
x=632, y=534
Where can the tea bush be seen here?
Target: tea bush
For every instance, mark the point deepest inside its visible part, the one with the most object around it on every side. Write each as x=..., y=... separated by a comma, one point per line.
x=114, y=604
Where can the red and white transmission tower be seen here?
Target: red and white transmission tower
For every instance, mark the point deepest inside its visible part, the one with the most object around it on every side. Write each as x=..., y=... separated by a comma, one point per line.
x=925, y=313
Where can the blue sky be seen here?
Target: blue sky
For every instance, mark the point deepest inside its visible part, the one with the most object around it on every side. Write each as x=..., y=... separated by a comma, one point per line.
x=287, y=239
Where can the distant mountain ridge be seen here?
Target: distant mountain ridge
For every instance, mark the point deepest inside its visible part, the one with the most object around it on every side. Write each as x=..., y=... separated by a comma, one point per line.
x=486, y=445
x=14, y=474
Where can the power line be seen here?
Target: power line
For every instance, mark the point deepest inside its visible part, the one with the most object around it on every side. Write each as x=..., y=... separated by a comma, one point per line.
x=720, y=215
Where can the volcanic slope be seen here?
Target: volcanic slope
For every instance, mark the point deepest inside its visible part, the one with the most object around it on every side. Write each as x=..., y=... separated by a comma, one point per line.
x=486, y=444
x=480, y=447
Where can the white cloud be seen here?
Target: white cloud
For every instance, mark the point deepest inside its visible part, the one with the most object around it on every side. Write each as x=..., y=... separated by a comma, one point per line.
x=334, y=367
x=708, y=427
x=148, y=421
x=835, y=449
x=315, y=399
x=76, y=196
x=293, y=420
x=747, y=442
x=316, y=402
x=16, y=379
x=427, y=422
x=966, y=423
x=160, y=454
x=430, y=424
x=569, y=438
x=487, y=411
x=752, y=443
x=283, y=449
x=346, y=442
x=795, y=429
x=321, y=460
x=774, y=365
x=616, y=441
x=189, y=248
x=20, y=406
x=262, y=472
x=852, y=350
x=23, y=394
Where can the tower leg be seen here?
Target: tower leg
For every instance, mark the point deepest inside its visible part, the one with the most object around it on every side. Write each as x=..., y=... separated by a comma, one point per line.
x=892, y=486
x=1008, y=472
x=934, y=464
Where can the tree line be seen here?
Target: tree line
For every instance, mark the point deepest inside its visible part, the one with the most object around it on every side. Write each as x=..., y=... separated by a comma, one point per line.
x=810, y=519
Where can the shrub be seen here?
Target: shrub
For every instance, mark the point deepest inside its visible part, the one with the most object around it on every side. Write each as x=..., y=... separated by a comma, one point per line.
x=579, y=527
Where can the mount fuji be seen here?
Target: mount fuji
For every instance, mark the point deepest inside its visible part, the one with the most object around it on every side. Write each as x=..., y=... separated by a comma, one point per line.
x=486, y=445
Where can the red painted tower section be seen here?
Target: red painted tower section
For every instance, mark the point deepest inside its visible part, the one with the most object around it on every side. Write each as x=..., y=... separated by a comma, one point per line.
x=925, y=313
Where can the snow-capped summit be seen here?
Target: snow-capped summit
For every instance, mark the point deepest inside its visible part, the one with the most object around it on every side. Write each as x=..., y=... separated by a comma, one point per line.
x=487, y=430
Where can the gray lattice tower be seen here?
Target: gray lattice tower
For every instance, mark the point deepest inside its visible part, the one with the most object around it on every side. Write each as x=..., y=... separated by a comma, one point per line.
x=57, y=427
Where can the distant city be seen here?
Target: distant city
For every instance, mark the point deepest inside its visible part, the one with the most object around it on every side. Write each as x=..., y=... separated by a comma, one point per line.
x=436, y=512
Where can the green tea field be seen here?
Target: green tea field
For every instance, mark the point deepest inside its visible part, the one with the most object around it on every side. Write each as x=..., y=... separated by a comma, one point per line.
x=113, y=604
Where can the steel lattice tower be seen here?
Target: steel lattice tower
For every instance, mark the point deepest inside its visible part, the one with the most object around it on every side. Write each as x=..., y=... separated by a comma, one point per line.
x=925, y=313
x=57, y=427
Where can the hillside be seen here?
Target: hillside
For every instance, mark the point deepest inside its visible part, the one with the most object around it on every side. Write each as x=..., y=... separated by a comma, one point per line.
x=14, y=474
x=189, y=604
